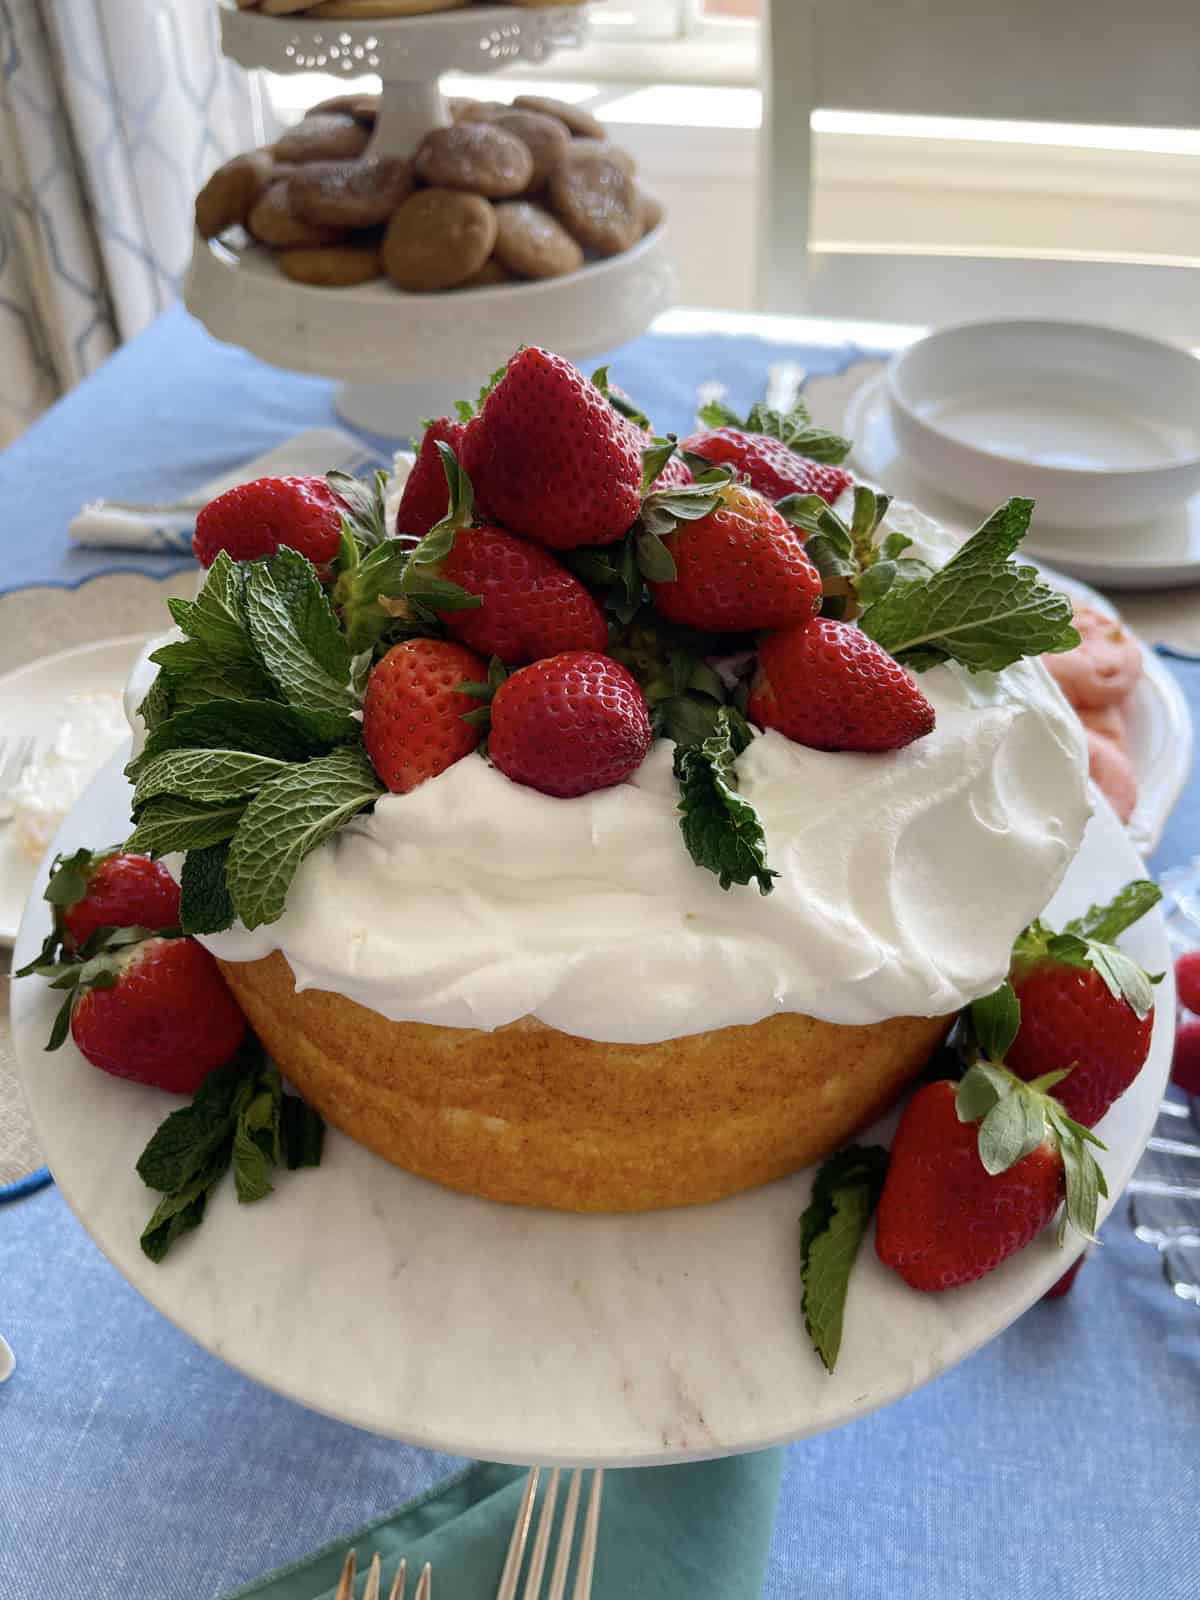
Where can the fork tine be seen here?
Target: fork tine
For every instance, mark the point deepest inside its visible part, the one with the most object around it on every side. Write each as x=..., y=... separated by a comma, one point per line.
x=425, y=1584
x=374, y=1573
x=345, y=1588
x=516, y=1545
x=566, y=1536
x=400, y=1581
x=541, y=1543
x=587, y=1550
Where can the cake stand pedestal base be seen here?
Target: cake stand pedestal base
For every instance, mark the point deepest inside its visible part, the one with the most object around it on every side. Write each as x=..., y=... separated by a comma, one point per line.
x=400, y=410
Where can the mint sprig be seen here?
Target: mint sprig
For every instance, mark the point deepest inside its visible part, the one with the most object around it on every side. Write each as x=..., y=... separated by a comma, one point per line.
x=288, y=818
x=794, y=428
x=239, y=1116
x=980, y=609
x=845, y=1193
x=857, y=562
x=205, y=905
x=296, y=634
x=720, y=827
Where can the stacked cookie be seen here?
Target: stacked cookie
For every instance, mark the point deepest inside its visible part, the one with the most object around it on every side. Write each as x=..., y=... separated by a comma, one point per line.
x=503, y=194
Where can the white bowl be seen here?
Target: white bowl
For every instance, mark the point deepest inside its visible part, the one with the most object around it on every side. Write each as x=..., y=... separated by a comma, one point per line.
x=1100, y=427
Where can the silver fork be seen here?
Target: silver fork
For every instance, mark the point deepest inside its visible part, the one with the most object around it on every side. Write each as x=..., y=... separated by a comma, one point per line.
x=15, y=755
x=541, y=1541
x=372, y=1591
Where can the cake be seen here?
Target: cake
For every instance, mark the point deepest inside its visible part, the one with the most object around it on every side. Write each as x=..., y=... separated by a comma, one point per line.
x=544, y=1001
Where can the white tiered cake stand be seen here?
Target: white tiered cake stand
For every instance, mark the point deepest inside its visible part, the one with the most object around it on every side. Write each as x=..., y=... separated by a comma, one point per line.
x=406, y=356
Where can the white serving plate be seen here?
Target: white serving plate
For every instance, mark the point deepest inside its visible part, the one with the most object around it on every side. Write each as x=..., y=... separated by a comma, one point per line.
x=1162, y=552
x=1100, y=427
x=518, y=1335
x=31, y=701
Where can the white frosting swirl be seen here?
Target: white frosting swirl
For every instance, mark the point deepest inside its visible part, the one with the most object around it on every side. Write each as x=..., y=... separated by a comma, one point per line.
x=903, y=880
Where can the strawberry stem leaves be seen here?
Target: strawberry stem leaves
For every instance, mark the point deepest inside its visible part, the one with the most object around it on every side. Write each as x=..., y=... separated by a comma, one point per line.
x=1106, y=922
x=794, y=428
x=845, y=1193
x=996, y=1018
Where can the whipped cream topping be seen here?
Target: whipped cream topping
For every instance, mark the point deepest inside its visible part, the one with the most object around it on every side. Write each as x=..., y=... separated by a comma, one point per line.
x=903, y=879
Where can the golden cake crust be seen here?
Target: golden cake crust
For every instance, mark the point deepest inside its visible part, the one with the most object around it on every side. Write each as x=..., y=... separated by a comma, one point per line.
x=533, y=1116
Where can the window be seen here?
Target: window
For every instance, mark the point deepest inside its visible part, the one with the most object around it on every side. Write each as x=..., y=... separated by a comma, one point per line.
x=674, y=19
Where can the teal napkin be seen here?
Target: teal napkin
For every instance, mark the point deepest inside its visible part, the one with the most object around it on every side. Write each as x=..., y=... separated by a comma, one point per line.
x=698, y=1532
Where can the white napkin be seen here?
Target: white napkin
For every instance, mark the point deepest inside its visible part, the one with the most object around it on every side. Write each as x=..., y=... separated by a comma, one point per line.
x=114, y=525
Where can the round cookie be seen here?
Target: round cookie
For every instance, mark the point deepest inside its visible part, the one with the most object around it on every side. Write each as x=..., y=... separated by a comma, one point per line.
x=230, y=193
x=349, y=194
x=463, y=109
x=579, y=122
x=363, y=108
x=587, y=146
x=335, y=266
x=475, y=156
x=328, y=137
x=545, y=138
x=489, y=275
x=368, y=10
x=438, y=239
x=532, y=243
x=597, y=202
x=272, y=221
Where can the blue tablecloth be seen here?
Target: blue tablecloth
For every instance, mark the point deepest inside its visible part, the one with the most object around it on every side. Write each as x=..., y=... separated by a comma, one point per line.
x=1061, y=1461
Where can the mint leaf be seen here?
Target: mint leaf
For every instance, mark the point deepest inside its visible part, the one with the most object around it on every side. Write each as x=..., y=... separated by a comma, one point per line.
x=216, y=618
x=187, y=1139
x=260, y=727
x=158, y=703
x=293, y=638
x=204, y=903
x=205, y=775
x=179, y=1212
x=170, y=823
x=195, y=676
x=1107, y=922
x=287, y=818
x=845, y=1193
x=720, y=828
x=979, y=609
x=996, y=1018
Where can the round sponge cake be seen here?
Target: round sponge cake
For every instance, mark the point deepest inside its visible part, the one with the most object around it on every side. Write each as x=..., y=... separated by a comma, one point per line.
x=533, y=1116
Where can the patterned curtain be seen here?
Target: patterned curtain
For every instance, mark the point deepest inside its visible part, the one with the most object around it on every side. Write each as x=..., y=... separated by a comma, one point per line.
x=112, y=114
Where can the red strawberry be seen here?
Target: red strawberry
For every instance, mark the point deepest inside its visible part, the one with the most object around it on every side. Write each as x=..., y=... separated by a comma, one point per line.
x=168, y=1019
x=825, y=684
x=943, y=1219
x=532, y=606
x=117, y=890
x=1187, y=979
x=771, y=467
x=551, y=458
x=254, y=519
x=426, y=495
x=413, y=724
x=740, y=567
x=1185, y=1064
x=1084, y=1005
x=1057, y=1290
x=570, y=724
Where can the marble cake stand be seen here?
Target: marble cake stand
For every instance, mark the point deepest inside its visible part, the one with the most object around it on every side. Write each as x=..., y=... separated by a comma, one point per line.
x=530, y=1336
x=401, y=356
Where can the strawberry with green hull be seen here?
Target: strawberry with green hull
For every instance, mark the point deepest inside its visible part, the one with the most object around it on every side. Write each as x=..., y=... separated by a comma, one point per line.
x=768, y=465
x=258, y=518
x=570, y=724
x=826, y=685
x=532, y=606
x=424, y=499
x=413, y=725
x=1084, y=1004
x=551, y=459
x=109, y=889
x=737, y=568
